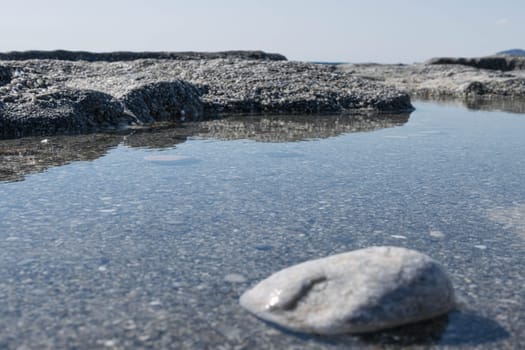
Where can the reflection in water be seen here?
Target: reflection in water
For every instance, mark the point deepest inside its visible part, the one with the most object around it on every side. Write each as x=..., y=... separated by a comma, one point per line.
x=19, y=157
x=505, y=104
x=296, y=128
x=512, y=105
x=159, y=137
x=29, y=155
x=171, y=160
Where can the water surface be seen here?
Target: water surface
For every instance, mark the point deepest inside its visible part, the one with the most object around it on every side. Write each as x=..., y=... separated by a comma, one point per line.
x=148, y=240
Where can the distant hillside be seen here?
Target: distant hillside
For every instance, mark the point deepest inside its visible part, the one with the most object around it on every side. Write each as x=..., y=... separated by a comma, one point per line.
x=512, y=52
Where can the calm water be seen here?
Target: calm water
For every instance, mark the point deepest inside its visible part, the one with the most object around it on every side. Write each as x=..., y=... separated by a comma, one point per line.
x=148, y=240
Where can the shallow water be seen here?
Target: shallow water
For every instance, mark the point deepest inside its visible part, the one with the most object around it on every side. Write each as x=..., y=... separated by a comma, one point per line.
x=148, y=240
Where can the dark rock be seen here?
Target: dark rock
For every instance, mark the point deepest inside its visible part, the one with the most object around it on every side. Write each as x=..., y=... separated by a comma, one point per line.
x=502, y=63
x=64, y=55
x=5, y=75
x=165, y=101
x=62, y=112
x=476, y=88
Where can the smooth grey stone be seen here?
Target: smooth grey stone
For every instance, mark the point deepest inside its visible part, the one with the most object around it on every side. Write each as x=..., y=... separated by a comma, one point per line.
x=361, y=291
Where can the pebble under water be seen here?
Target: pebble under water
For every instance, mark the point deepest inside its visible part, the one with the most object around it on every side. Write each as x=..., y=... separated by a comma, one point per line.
x=150, y=245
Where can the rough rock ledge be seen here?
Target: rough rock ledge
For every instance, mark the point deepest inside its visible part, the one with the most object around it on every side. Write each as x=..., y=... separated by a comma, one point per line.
x=61, y=96
x=489, y=78
x=361, y=291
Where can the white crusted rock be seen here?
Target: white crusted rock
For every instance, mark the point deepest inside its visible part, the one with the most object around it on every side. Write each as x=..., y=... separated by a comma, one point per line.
x=361, y=291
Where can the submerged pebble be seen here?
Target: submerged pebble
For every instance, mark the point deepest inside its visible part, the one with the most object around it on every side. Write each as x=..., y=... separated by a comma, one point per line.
x=436, y=234
x=234, y=278
x=361, y=291
x=165, y=158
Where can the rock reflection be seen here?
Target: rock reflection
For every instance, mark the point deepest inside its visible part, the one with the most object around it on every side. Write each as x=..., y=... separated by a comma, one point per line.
x=19, y=157
x=159, y=137
x=296, y=128
x=512, y=105
x=500, y=103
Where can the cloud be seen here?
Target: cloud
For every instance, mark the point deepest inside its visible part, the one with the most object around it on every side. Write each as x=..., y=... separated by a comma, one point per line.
x=502, y=21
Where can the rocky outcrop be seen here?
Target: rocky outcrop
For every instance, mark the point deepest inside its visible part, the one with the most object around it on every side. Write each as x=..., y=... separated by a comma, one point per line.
x=502, y=63
x=61, y=112
x=164, y=101
x=64, y=55
x=361, y=291
x=443, y=81
x=43, y=96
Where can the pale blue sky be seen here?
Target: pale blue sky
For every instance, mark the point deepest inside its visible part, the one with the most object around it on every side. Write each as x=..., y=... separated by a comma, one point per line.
x=320, y=30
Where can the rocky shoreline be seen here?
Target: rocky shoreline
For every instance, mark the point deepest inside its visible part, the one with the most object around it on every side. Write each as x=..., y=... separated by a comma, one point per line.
x=460, y=79
x=61, y=96
x=64, y=92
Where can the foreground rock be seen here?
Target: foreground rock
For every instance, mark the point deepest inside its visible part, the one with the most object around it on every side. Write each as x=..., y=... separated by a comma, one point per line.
x=35, y=94
x=61, y=112
x=361, y=291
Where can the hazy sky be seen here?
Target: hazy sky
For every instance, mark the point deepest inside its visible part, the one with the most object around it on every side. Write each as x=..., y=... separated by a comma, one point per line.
x=318, y=30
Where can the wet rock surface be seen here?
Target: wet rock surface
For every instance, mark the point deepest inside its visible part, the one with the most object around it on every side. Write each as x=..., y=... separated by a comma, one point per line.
x=361, y=291
x=142, y=91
